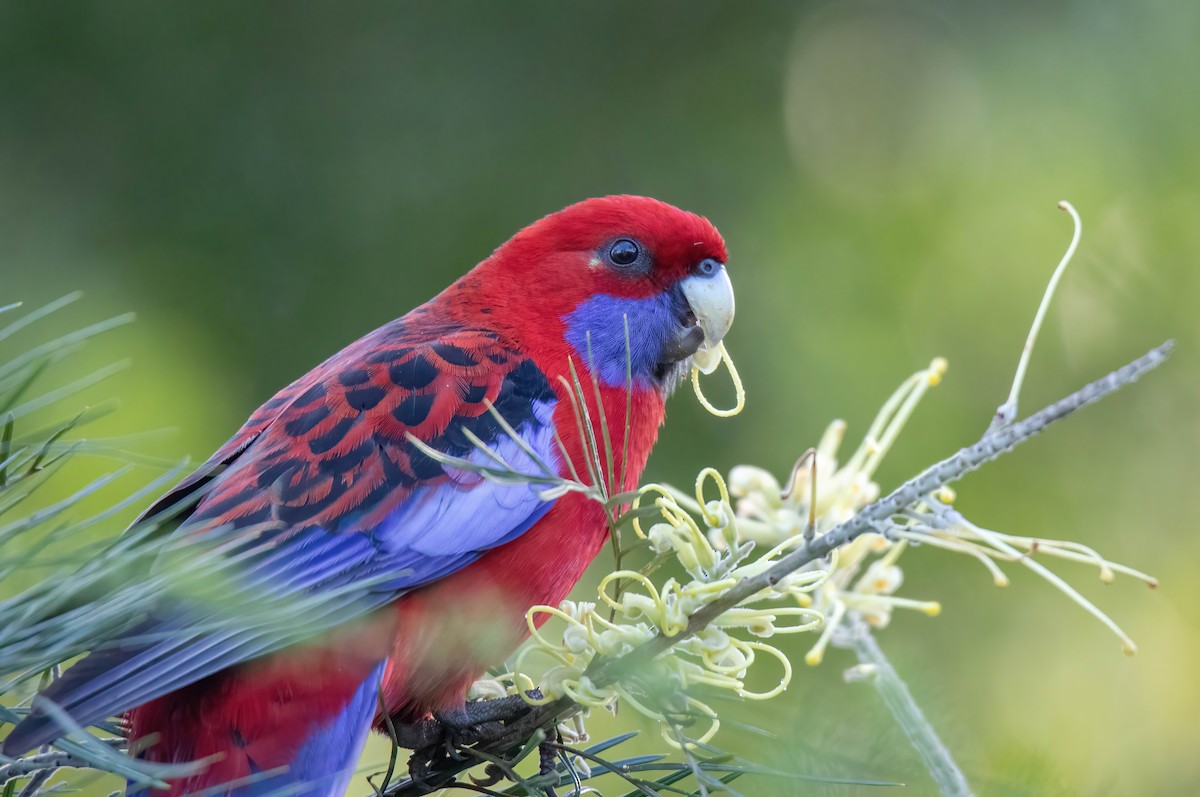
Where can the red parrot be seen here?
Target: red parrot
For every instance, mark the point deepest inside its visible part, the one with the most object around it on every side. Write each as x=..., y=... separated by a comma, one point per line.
x=323, y=492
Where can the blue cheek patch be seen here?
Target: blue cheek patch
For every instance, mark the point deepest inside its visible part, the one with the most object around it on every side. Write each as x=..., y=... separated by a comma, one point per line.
x=601, y=319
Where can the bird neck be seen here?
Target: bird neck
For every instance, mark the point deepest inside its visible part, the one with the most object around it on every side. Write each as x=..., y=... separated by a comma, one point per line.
x=596, y=420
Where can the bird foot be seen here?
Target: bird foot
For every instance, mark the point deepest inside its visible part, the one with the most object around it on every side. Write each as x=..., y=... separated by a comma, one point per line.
x=481, y=712
x=419, y=735
x=467, y=724
x=443, y=736
x=450, y=729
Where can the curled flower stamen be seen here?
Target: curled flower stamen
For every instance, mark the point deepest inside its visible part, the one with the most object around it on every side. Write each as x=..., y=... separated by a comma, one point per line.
x=739, y=402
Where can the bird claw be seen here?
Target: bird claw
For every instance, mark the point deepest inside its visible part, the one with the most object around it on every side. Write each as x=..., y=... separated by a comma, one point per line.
x=448, y=730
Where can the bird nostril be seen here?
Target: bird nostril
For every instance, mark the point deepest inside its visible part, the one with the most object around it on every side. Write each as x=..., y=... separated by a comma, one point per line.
x=708, y=267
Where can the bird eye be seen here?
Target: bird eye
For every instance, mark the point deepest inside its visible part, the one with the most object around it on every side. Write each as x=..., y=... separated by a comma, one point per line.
x=708, y=267
x=624, y=252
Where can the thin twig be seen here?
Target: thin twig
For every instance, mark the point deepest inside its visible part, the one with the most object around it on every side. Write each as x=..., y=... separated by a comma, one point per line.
x=879, y=671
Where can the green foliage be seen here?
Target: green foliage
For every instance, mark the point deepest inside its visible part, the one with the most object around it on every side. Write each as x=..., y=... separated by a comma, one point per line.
x=37, y=631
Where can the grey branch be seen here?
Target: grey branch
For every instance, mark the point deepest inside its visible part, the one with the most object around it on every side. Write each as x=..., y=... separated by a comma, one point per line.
x=993, y=445
x=891, y=687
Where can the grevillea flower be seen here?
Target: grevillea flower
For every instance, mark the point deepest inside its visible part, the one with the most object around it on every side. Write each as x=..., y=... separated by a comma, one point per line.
x=725, y=531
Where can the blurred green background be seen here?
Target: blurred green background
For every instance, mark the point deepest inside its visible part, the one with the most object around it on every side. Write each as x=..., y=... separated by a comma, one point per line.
x=262, y=183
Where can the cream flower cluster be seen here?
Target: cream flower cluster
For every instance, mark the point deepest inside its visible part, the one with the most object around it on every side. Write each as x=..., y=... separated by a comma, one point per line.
x=865, y=575
x=717, y=544
x=820, y=494
x=724, y=532
x=717, y=656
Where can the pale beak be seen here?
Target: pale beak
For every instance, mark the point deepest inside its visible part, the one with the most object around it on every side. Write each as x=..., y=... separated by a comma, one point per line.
x=709, y=297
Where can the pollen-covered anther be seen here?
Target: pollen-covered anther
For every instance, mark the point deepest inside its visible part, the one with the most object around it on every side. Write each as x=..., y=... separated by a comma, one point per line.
x=937, y=370
x=945, y=494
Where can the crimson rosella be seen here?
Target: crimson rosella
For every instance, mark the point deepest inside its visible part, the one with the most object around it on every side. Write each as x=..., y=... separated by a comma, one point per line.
x=323, y=492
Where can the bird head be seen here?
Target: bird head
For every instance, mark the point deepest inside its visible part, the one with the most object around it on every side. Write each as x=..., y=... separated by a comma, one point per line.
x=631, y=287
